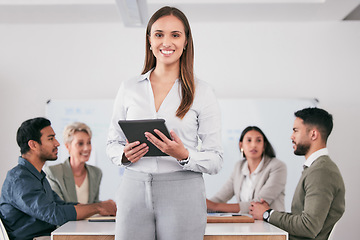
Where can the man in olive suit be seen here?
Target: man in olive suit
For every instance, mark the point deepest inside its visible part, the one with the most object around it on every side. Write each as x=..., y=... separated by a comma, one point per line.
x=319, y=198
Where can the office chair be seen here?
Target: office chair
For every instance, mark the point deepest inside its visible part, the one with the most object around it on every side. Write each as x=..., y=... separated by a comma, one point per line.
x=331, y=236
x=3, y=233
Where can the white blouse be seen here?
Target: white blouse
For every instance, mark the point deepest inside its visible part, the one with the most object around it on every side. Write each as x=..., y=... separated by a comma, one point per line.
x=202, y=123
x=249, y=182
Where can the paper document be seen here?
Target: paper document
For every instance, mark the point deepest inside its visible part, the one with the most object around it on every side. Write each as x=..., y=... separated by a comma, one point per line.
x=100, y=218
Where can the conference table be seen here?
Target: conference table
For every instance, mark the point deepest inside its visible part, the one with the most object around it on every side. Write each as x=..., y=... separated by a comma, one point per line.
x=259, y=230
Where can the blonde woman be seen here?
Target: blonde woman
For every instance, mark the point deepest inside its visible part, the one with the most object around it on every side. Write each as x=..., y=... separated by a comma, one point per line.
x=74, y=180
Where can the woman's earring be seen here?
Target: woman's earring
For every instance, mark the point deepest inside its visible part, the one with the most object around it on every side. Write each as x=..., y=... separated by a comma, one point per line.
x=184, y=48
x=242, y=152
x=150, y=48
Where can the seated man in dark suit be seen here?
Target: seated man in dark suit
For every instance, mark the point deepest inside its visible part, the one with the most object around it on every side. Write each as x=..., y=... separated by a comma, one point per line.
x=319, y=198
x=28, y=206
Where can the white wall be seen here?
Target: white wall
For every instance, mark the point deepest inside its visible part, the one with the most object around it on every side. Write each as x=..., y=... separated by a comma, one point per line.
x=246, y=60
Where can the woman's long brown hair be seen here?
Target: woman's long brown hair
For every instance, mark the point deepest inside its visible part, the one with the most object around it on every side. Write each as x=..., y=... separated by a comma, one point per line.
x=186, y=59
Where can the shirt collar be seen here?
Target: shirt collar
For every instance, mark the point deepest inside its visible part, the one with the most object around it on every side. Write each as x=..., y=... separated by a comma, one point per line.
x=316, y=155
x=145, y=76
x=40, y=175
x=245, y=169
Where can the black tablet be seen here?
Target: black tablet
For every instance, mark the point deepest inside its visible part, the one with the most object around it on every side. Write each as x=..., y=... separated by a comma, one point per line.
x=134, y=130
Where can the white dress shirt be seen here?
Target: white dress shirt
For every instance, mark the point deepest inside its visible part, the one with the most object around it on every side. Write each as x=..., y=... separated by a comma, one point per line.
x=135, y=101
x=316, y=155
x=248, y=184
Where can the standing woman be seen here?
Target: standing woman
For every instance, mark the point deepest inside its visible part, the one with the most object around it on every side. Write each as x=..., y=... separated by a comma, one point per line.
x=164, y=197
x=258, y=176
x=74, y=180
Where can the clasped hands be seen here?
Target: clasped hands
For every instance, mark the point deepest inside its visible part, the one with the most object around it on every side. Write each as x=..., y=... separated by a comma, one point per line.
x=173, y=147
x=107, y=208
x=257, y=209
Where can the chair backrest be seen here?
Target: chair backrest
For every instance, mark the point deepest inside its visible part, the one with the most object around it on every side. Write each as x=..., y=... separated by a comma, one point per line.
x=331, y=236
x=3, y=233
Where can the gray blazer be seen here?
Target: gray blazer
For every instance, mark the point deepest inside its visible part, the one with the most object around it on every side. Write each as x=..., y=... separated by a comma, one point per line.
x=270, y=185
x=318, y=202
x=62, y=181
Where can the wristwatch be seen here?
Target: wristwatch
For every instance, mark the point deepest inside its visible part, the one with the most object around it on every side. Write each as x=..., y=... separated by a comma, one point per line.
x=266, y=215
x=183, y=162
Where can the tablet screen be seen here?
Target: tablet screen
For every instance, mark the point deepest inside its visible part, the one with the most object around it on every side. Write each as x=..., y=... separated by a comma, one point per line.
x=134, y=130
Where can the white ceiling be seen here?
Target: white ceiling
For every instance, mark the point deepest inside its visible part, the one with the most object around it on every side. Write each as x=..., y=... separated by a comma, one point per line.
x=64, y=11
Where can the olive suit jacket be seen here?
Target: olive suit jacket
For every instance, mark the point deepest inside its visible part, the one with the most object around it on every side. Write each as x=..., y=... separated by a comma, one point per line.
x=62, y=181
x=318, y=202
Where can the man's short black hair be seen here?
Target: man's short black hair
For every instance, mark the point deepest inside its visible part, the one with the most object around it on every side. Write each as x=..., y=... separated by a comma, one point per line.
x=30, y=130
x=319, y=118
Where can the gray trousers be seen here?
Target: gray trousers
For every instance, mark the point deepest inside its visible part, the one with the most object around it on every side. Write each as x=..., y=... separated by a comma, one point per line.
x=166, y=206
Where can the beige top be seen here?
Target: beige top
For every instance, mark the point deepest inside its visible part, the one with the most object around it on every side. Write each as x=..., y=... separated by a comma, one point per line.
x=82, y=192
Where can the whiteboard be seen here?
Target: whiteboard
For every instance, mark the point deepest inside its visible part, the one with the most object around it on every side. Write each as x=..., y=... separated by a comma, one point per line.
x=274, y=116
